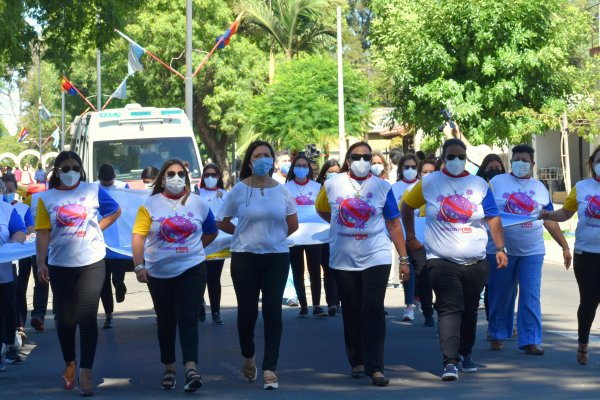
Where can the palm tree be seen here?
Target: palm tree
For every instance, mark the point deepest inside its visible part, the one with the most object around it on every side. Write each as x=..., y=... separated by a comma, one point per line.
x=292, y=25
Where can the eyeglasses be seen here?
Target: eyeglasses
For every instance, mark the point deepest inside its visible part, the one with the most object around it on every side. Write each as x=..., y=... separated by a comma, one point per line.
x=356, y=157
x=68, y=168
x=461, y=157
x=407, y=167
x=210, y=175
x=171, y=174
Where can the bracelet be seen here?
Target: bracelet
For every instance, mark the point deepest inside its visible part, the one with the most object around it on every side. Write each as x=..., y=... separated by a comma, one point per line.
x=139, y=267
x=403, y=259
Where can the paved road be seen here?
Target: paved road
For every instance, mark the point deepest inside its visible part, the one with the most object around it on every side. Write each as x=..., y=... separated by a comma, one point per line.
x=313, y=363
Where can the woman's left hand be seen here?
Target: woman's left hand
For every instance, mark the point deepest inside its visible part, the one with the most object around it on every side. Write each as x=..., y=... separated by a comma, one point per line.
x=567, y=257
x=501, y=259
x=404, y=272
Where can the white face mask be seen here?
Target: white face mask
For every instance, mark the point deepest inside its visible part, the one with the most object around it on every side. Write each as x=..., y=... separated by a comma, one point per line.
x=409, y=174
x=70, y=178
x=456, y=166
x=148, y=185
x=331, y=175
x=360, y=168
x=175, y=184
x=210, y=182
x=521, y=168
x=377, y=169
x=597, y=170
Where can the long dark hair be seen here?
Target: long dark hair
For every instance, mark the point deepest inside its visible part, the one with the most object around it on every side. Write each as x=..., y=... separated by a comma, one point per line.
x=590, y=162
x=217, y=170
x=345, y=166
x=159, y=185
x=486, y=160
x=60, y=158
x=323, y=173
x=430, y=161
x=292, y=175
x=405, y=158
x=246, y=171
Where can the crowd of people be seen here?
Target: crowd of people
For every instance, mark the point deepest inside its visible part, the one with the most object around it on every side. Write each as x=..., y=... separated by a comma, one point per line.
x=371, y=208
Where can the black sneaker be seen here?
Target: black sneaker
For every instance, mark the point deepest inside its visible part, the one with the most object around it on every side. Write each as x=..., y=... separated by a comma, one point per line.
x=107, y=323
x=120, y=290
x=216, y=318
x=303, y=312
x=467, y=364
x=331, y=311
x=450, y=373
x=318, y=312
x=193, y=381
x=429, y=321
x=202, y=314
x=13, y=357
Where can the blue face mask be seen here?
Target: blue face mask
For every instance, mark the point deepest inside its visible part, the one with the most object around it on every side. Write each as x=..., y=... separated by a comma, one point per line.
x=301, y=172
x=285, y=167
x=10, y=197
x=262, y=166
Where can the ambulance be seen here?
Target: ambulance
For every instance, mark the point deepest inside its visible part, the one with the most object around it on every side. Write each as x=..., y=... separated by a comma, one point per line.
x=133, y=138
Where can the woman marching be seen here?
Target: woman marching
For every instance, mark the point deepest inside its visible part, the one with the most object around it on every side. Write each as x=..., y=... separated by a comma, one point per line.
x=360, y=208
x=170, y=233
x=457, y=205
x=266, y=213
x=68, y=224
x=304, y=190
x=584, y=199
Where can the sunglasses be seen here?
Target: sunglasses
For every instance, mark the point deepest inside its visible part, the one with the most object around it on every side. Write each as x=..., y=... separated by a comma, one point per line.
x=68, y=168
x=461, y=157
x=356, y=157
x=210, y=175
x=407, y=167
x=171, y=174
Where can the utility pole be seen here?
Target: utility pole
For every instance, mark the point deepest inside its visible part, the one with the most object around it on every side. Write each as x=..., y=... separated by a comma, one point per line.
x=341, y=118
x=189, y=88
x=40, y=98
x=63, y=135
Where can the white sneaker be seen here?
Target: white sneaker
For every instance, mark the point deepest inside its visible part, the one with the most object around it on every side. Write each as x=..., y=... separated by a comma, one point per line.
x=409, y=313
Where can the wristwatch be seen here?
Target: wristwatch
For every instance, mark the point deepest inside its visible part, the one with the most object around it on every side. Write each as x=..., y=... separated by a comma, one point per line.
x=501, y=250
x=138, y=267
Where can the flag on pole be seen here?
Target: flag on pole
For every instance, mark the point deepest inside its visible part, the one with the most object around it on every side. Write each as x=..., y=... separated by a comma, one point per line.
x=68, y=87
x=223, y=40
x=121, y=91
x=135, y=54
x=55, y=135
x=22, y=135
x=44, y=113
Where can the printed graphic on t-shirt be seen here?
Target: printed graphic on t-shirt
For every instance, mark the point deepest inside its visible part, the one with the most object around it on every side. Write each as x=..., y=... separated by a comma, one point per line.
x=71, y=214
x=593, y=207
x=305, y=199
x=355, y=212
x=456, y=208
x=520, y=203
x=176, y=229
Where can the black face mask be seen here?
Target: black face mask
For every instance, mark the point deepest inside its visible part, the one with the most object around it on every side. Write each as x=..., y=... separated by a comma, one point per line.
x=492, y=173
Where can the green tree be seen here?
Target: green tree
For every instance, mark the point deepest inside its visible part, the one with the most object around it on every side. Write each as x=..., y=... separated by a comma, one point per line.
x=16, y=37
x=300, y=107
x=483, y=59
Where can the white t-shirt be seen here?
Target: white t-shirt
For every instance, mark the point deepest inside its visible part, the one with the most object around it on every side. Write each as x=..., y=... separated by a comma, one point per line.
x=585, y=199
x=357, y=235
x=214, y=197
x=173, y=237
x=401, y=186
x=10, y=222
x=522, y=197
x=24, y=213
x=279, y=178
x=305, y=194
x=117, y=184
x=455, y=208
x=72, y=216
x=262, y=218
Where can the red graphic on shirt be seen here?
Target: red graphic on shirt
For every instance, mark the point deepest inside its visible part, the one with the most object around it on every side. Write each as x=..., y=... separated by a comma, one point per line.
x=176, y=229
x=304, y=201
x=354, y=213
x=456, y=209
x=519, y=203
x=71, y=215
x=593, y=207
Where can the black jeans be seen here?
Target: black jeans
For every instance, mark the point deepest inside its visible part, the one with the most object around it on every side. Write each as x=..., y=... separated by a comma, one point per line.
x=422, y=283
x=8, y=313
x=313, y=263
x=177, y=303
x=587, y=274
x=252, y=274
x=115, y=272
x=76, y=296
x=331, y=292
x=214, y=268
x=40, y=292
x=457, y=289
x=362, y=294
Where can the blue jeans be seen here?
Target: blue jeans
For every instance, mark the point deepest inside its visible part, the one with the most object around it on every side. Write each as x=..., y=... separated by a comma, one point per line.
x=526, y=272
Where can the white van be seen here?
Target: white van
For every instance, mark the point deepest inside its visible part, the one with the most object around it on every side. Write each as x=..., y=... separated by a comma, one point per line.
x=133, y=138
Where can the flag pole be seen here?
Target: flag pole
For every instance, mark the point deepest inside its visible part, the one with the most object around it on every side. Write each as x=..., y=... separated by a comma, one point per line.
x=62, y=122
x=210, y=53
x=40, y=99
x=81, y=95
x=341, y=119
x=189, y=87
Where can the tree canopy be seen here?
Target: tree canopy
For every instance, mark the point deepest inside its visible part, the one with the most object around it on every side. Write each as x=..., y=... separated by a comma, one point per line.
x=485, y=60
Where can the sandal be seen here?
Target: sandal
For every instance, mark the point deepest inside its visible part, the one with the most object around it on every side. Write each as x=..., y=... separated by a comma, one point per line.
x=168, y=380
x=534, y=350
x=69, y=375
x=249, y=369
x=193, y=381
x=358, y=372
x=582, y=354
x=270, y=380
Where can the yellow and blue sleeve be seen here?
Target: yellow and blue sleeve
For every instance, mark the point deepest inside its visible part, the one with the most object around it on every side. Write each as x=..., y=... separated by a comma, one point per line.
x=322, y=203
x=415, y=198
x=142, y=223
x=571, y=201
x=42, y=218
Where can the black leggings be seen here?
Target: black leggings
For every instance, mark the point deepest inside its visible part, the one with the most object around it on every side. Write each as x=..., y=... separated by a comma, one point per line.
x=115, y=272
x=177, y=303
x=363, y=294
x=422, y=283
x=252, y=274
x=40, y=292
x=214, y=268
x=331, y=292
x=587, y=273
x=8, y=315
x=313, y=262
x=76, y=296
